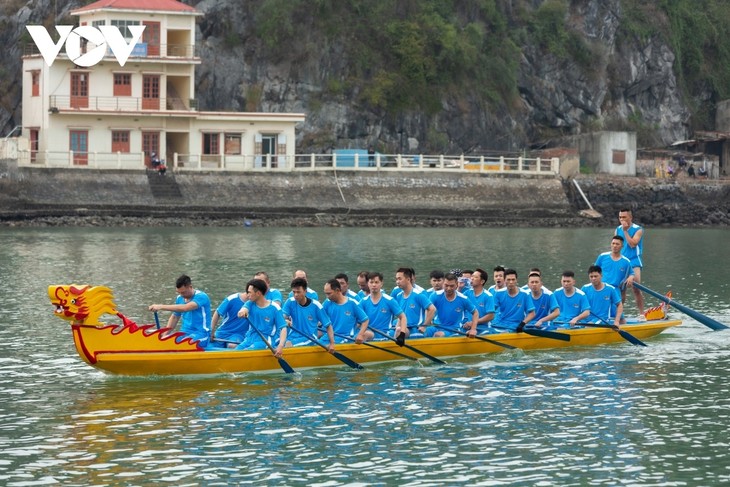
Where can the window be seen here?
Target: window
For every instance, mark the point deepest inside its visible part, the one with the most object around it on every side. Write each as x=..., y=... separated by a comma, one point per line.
x=120, y=141
x=79, y=144
x=619, y=157
x=123, y=26
x=233, y=144
x=210, y=144
x=122, y=84
x=268, y=144
x=35, y=80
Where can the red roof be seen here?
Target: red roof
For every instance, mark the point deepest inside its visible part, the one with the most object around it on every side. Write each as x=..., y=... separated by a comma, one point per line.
x=159, y=5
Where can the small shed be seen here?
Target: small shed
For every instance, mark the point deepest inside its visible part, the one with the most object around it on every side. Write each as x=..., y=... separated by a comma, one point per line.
x=608, y=152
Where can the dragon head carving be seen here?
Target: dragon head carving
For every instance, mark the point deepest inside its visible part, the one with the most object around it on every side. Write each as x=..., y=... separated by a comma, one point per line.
x=81, y=303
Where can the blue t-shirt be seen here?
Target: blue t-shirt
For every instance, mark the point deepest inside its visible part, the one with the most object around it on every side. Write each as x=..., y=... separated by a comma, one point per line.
x=305, y=318
x=603, y=303
x=453, y=313
x=269, y=320
x=274, y=295
x=345, y=317
x=196, y=323
x=570, y=306
x=544, y=305
x=632, y=253
x=231, y=326
x=484, y=302
x=414, y=306
x=382, y=313
x=614, y=272
x=512, y=309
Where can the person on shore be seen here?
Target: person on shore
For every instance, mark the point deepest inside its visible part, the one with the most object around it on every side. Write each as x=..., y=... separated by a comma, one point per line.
x=546, y=307
x=482, y=299
x=691, y=171
x=572, y=302
x=311, y=293
x=306, y=317
x=345, y=286
x=233, y=328
x=265, y=316
x=193, y=306
x=514, y=305
x=382, y=309
x=604, y=299
x=272, y=294
x=453, y=310
x=345, y=313
x=633, y=236
x=415, y=304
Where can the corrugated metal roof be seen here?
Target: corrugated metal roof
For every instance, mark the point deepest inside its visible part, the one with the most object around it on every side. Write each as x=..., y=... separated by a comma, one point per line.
x=158, y=5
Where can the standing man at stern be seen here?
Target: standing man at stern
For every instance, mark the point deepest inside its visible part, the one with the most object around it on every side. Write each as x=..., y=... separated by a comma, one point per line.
x=633, y=249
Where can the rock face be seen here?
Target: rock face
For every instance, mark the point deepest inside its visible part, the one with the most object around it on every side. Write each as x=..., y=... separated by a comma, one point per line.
x=620, y=78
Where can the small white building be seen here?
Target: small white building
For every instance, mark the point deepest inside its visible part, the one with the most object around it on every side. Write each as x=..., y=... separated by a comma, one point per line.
x=109, y=114
x=608, y=152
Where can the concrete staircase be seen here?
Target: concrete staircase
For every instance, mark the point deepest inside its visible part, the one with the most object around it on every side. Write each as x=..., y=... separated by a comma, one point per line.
x=164, y=188
x=174, y=102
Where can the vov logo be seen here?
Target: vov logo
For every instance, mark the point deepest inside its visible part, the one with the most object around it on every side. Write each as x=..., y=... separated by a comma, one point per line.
x=104, y=36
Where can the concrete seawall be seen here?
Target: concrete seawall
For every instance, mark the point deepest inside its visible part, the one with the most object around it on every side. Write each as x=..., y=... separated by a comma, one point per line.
x=70, y=196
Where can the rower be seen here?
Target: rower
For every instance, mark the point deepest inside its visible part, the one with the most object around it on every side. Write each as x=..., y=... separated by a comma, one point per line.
x=514, y=305
x=572, y=303
x=415, y=303
x=306, y=315
x=604, y=299
x=344, y=312
x=381, y=310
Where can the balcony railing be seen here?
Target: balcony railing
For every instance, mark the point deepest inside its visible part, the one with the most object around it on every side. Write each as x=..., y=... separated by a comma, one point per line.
x=119, y=103
x=141, y=51
x=297, y=162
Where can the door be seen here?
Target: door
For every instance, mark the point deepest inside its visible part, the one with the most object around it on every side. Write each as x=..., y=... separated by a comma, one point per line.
x=33, y=144
x=151, y=36
x=79, y=144
x=150, y=144
x=151, y=92
x=79, y=90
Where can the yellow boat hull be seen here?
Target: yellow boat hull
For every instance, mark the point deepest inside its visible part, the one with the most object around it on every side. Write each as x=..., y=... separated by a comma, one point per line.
x=142, y=350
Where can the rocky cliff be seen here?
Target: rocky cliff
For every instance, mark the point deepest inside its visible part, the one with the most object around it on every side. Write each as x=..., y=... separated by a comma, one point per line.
x=558, y=67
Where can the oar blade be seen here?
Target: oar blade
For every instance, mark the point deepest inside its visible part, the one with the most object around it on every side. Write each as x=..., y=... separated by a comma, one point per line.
x=547, y=334
x=348, y=361
x=705, y=320
x=285, y=366
x=631, y=338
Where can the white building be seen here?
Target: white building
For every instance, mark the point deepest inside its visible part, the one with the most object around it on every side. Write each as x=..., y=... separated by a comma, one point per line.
x=109, y=115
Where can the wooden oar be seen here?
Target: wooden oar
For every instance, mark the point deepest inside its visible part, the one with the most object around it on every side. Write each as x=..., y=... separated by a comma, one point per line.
x=625, y=334
x=705, y=320
x=409, y=347
x=284, y=365
x=478, y=337
x=337, y=354
x=371, y=345
x=554, y=335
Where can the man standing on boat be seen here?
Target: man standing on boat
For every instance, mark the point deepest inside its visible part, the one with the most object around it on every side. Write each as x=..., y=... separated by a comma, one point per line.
x=604, y=299
x=453, y=310
x=344, y=312
x=633, y=249
x=193, y=306
x=381, y=309
x=414, y=302
x=306, y=316
x=572, y=302
x=265, y=316
x=482, y=299
x=514, y=305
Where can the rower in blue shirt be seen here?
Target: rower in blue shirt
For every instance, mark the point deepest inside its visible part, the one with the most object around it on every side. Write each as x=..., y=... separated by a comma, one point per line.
x=452, y=310
x=307, y=317
x=604, y=299
x=572, y=303
x=515, y=306
x=264, y=315
x=193, y=306
x=381, y=309
x=344, y=312
x=232, y=329
x=482, y=299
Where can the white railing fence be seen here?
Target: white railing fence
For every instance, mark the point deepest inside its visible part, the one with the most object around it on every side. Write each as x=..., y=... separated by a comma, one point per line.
x=296, y=162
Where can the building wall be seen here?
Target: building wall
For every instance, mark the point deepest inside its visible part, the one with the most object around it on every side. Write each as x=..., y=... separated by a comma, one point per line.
x=598, y=151
x=722, y=116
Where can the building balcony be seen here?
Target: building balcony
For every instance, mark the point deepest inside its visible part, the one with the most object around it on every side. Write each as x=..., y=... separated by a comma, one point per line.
x=143, y=51
x=86, y=104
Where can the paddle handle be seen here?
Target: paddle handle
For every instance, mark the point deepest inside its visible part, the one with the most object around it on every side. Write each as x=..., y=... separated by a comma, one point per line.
x=705, y=320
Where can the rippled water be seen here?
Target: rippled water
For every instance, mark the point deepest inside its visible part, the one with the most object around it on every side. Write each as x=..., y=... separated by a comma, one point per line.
x=610, y=415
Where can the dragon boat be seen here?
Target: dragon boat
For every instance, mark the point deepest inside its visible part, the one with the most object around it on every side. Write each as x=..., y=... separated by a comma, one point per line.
x=127, y=348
